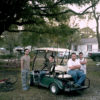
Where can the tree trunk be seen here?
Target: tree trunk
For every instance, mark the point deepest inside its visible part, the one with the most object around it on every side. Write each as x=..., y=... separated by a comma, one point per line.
x=96, y=16
x=11, y=49
x=97, y=31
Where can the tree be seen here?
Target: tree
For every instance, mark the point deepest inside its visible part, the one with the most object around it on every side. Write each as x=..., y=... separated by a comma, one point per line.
x=1, y=40
x=87, y=32
x=97, y=16
x=28, y=12
x=29, y=38
x=48, y=36
x=73, y=39
x=10, y=12
x=10, y=40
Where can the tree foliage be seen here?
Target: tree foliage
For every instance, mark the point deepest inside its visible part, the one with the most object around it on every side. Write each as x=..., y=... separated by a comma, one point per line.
x=23, y=12
x=87, y=32
x=49, y=36
x=10, y=40
x=37, y=18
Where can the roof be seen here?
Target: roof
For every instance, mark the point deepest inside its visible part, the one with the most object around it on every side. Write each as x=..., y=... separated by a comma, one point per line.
x=52, y=49
x=88, y=40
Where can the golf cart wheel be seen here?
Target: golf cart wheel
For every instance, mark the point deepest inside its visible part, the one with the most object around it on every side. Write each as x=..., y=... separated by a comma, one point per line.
x=54, y=88
x=31, y=81
x=11, y=79
x=97, y=59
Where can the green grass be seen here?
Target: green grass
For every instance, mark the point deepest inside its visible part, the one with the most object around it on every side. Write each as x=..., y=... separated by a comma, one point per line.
x=39, y=93
x=2, y=63
x=7, y=56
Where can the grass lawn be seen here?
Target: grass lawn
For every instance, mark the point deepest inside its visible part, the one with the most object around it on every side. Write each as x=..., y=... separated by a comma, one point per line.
x=39, y=93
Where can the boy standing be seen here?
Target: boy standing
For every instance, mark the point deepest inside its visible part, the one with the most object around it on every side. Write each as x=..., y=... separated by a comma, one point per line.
x=83, y=62
x=25, y=69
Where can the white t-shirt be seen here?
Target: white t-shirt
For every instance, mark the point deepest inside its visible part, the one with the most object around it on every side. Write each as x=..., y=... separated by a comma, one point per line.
x=83, y=66
x=72, y=63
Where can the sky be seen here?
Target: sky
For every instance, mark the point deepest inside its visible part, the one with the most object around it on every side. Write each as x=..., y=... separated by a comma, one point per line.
x=83, y=22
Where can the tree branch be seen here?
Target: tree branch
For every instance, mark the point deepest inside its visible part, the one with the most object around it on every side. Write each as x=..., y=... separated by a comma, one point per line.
x=54, y=5
x=47, y=15
x=67, y=11
x=23, y=31
x=22, y=23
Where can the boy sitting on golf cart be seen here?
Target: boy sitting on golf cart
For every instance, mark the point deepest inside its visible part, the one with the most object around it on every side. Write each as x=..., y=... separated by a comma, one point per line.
x=50, y=63
x=49, y=66
x=74, y=70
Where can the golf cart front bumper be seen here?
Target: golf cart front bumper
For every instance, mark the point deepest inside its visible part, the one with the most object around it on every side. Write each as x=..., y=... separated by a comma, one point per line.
x=75, y=89
x=70, y=86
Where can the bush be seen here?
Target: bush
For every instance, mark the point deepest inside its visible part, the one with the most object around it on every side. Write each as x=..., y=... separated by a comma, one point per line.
x=2, y=63
x=7, y=56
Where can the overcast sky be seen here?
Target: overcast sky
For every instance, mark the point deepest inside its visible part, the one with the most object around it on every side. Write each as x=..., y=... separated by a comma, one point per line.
x=84, y=22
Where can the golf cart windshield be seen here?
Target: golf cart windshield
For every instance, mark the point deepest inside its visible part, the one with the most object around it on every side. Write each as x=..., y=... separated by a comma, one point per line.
x=42, y=54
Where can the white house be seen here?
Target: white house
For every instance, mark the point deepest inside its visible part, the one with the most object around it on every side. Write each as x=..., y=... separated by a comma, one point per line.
x=86, y=45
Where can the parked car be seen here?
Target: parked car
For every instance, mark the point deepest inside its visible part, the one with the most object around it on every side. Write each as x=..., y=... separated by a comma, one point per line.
x=65, y=54
x=18, y=50
x=61, y=54
x=95, y=56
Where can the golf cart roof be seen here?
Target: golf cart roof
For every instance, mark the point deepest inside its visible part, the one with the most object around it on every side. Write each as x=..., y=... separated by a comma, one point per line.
x=52, y=49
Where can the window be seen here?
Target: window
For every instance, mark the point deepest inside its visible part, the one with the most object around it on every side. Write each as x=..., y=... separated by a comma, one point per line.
x=89, y=47
x=75, y=47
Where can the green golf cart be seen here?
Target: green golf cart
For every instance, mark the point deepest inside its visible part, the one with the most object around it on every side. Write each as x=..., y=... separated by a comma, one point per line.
x=57, y=81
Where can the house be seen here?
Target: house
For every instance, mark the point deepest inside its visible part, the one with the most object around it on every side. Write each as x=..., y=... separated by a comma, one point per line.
x=86, y=45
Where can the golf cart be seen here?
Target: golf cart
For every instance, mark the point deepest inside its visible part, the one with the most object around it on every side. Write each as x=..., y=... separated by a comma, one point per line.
x=57, y=81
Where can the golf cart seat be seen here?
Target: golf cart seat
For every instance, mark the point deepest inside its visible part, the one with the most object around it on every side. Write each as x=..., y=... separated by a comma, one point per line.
x=65, y=76
x=62, y=70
